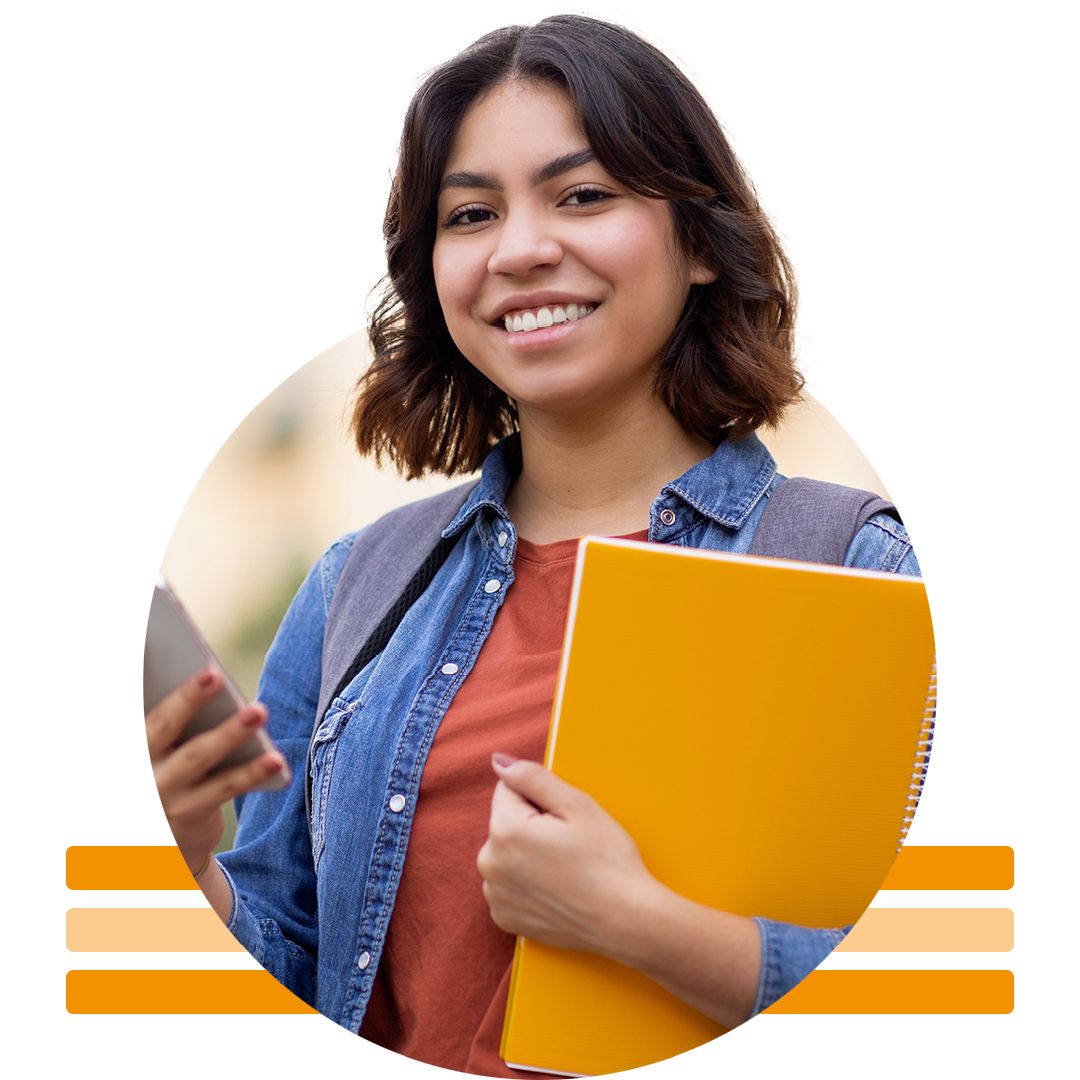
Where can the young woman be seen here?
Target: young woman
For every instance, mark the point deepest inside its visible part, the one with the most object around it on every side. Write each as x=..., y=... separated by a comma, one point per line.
x=584, y=299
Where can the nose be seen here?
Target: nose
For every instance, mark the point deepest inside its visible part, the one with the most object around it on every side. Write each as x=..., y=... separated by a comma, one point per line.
x=525, y=241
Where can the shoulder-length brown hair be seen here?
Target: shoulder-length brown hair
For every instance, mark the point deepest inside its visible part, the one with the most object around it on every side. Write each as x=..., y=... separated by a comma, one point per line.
x=728, y=367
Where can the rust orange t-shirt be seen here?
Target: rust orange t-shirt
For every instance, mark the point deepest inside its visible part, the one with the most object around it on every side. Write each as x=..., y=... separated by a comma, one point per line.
x=441, y=988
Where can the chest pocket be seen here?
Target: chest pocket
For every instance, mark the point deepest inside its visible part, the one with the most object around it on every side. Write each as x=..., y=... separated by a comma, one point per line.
x=323, y=751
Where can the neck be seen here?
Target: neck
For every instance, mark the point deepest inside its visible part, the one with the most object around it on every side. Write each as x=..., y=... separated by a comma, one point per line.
x=600, y=477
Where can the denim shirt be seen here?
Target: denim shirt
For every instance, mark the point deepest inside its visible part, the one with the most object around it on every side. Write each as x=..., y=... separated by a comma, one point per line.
x=313, y=908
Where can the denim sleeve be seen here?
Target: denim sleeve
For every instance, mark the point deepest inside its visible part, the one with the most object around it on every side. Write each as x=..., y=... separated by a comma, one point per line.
x=883, y=544
x=270, y=869
x=788, y=954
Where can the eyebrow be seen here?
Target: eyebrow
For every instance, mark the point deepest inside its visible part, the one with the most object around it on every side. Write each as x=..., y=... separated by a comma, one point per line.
x=553, y=168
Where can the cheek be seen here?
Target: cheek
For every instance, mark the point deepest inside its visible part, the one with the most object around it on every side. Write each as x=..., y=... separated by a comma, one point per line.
x=444, y=279
x=643, y=260
x=456, y=293
x=455, y=286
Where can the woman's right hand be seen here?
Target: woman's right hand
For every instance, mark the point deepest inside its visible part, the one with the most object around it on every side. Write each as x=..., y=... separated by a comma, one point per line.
x=191, y=797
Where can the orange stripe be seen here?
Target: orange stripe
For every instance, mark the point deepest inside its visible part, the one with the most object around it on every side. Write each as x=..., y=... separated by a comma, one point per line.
x=148, y=930
x=900, y=992
x=952, y=868
x=931, y=930
x=127, y=868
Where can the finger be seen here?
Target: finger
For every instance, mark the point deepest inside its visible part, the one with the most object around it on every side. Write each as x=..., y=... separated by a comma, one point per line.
x=226, y=785
x=509, y=806
x=539, y=786
x=486, y=863
x=503, y=913
x=166, y=721
x=197, y=757
x=512, y=818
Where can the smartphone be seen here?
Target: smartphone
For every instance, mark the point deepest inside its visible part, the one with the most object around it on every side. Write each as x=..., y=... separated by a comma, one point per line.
x=176, y=650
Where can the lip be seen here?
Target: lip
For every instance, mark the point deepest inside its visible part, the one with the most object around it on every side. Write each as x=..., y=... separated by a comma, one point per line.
x=525, y=301
x=542, y=338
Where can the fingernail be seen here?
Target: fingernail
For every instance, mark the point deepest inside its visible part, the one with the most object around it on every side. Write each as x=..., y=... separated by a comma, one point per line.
x=251, y=717
x=204, y=678
x=502, y=760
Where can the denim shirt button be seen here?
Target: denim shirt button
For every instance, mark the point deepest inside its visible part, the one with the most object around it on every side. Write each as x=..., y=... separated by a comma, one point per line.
x=667, y=517
x=363, y=960
x=449, y=669
x=493, y=586
x=397, y=803
x=502, y=539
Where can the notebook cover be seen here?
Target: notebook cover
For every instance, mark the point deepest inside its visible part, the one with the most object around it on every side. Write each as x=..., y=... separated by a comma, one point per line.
x=753, y=724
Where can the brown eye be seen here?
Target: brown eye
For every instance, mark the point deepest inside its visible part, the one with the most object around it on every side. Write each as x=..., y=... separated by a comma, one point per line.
x=586, y=197
x=469, y=215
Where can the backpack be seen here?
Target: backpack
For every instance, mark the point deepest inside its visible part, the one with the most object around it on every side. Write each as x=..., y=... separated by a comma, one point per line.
x=394, y=560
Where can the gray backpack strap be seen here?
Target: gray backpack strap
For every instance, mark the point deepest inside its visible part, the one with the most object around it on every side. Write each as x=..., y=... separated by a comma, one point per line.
x=391, y=563
x=812, y=521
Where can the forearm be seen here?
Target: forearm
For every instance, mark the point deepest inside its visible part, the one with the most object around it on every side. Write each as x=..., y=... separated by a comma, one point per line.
x=215, y=888
x=725, y=966
x=710, y=959
x=557, y=868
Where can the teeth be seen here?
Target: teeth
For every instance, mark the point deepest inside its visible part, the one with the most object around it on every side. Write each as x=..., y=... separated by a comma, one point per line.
x=544, y=317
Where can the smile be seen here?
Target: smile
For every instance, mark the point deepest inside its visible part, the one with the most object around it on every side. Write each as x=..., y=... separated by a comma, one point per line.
x=522, y=322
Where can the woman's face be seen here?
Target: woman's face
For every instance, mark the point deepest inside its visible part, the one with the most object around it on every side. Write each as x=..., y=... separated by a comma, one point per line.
x=557, y=282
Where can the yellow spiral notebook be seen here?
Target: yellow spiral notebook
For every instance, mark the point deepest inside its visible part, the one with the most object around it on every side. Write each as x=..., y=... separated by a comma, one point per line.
x=759, y=727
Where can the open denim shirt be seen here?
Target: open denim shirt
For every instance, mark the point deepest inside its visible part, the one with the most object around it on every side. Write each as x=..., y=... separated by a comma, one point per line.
x=313, y=908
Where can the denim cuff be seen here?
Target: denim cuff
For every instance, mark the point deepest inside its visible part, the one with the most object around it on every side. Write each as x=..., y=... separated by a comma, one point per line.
x=233, y=897
x=242, y=924
x=788, y=954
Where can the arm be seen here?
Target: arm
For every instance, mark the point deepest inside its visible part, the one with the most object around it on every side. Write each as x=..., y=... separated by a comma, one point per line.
x=265, y=887
x=883, y=544
x=788, y=952
x=569, y=875
x=190, y=795
x=270, y=870
x=557, y=868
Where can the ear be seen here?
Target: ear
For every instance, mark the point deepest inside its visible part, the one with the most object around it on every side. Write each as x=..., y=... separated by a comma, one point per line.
x=702, y=275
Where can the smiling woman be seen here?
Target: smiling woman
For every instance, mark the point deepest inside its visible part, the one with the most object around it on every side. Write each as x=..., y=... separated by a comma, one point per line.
x=622, y=108
x=531, y=227
x=558, y=283
x=585, y=300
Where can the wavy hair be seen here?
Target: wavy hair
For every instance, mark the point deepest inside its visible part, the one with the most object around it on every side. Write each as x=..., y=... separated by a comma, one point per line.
x=729, y=366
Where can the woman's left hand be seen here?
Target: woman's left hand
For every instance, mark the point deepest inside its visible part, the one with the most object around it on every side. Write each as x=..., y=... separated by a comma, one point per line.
x=556, y=866
x=559, y=869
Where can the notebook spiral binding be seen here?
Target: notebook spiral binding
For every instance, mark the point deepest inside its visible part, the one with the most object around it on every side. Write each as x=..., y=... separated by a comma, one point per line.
x=908, y=825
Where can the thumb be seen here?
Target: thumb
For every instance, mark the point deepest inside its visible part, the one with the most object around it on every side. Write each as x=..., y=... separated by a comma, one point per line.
x=538, y=785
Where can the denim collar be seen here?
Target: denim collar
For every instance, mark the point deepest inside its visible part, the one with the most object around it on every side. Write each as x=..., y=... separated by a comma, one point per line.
x=724, y=487
x=728, y=485
x=498, y=473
